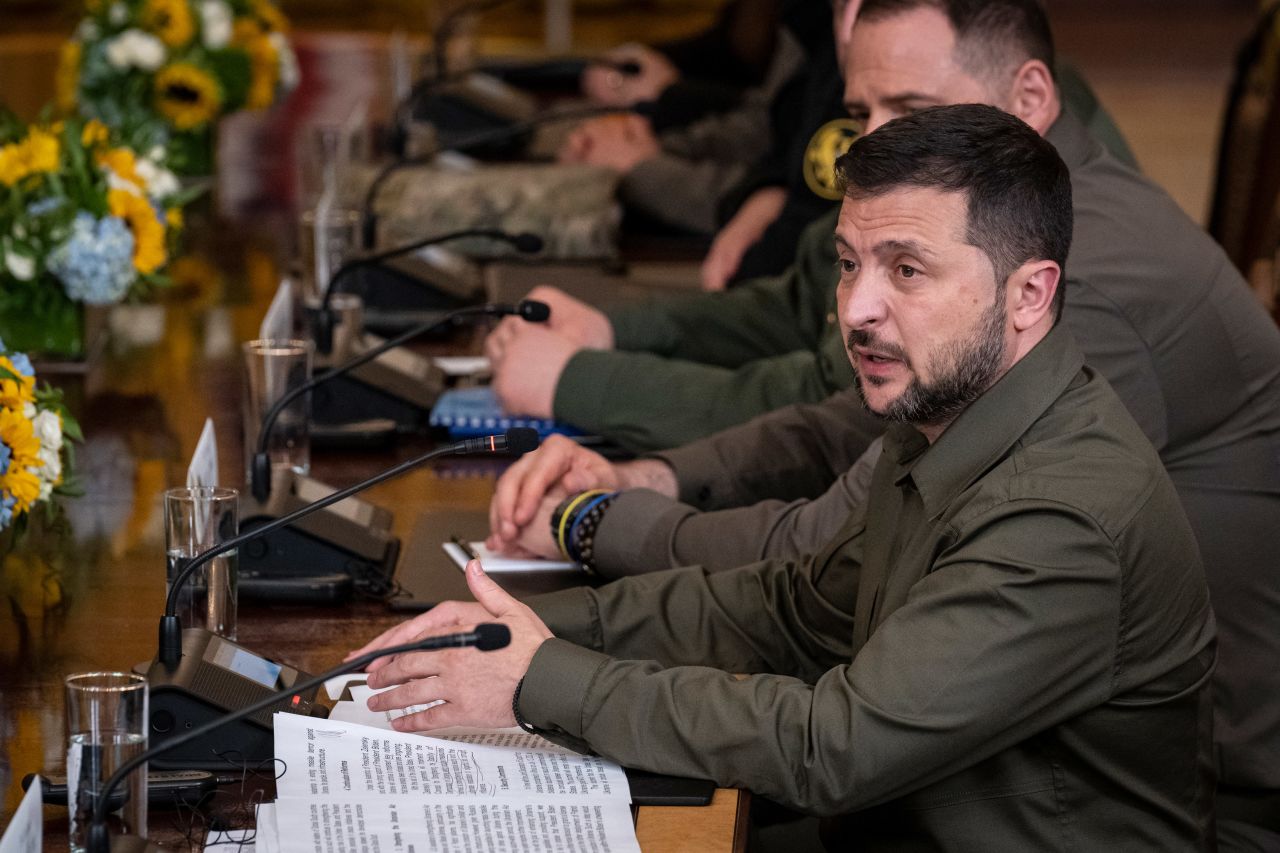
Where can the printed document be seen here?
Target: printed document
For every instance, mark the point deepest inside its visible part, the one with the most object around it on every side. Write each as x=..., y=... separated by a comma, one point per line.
x=353, y=787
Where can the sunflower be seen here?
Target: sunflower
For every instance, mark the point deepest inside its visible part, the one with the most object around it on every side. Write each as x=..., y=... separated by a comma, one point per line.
x=171, y=20
x=66, y=79
x=94, y=133
x=148, y=230
x=124, y=164
x=35, y=155
x=187, y=96
x=15, y=392
x=271, y=18
x=20, y=479
x=265, y=65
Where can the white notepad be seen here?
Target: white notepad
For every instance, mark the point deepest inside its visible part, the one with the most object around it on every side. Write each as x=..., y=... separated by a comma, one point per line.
x=493, y=562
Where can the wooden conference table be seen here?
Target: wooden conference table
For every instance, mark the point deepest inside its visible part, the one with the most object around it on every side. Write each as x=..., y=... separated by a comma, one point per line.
x=88, y=597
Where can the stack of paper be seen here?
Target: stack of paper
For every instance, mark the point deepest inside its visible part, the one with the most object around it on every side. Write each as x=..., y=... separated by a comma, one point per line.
x=353, y=787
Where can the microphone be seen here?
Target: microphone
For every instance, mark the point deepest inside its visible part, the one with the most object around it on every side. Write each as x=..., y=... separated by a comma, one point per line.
x=525, y=242
x=260, y=467
x=514, y=441
x=486, y=637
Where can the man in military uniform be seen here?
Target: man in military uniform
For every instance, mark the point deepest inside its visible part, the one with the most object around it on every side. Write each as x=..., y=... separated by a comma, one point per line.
x=1008, y=646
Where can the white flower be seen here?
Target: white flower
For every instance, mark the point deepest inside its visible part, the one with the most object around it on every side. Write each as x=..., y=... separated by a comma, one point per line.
x=21, y=267
x=215, y=24
x=87, y=31
x=117, y=14
x=116, y=182
x=135, y=49
x=47, y=427
x=161, y=183
x=289, y=75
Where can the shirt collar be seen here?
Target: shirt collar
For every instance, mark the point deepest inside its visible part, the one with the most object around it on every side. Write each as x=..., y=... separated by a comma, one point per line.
x=1073, y=141
x=984, y=432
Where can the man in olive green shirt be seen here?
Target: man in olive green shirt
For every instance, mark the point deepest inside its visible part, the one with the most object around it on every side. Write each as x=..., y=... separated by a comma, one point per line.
x=1008, y=648
x=1157, y=310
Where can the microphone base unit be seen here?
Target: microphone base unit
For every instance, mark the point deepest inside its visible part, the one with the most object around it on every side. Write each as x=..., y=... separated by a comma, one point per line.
x=214, y=677
x=320, y=558
x=397, y=291
x=459, y=110
x=399, y=386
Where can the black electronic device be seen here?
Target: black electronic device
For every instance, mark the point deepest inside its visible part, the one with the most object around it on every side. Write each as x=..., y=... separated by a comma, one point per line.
x=235, y=662
x=165, y=788
x=324, y=319
x=213, y=677
x=306, y=560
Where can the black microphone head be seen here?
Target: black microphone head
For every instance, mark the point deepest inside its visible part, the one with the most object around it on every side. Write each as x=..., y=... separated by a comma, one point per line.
x=260, y=477
x=527, y=242
x=534, y=311
x=520, y=440
x=491, y=635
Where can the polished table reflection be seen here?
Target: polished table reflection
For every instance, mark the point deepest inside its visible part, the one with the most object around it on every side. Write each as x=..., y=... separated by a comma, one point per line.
x=86, y=592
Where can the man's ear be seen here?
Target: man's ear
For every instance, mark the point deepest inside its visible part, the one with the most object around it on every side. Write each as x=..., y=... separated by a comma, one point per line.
x=1033, y=97
x=1031, y=290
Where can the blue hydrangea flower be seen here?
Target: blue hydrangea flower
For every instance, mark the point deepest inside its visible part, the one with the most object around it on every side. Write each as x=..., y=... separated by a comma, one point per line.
x=20, y=362
x=5, y=455
x=6, y=510
x=43, y=206
x=95, y=264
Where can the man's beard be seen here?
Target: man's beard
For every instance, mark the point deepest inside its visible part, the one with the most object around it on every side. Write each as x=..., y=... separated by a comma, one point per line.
x=965, y=370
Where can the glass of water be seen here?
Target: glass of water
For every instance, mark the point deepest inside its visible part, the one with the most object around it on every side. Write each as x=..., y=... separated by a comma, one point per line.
x=274, y=368
x=106, y=726
x=196, y=519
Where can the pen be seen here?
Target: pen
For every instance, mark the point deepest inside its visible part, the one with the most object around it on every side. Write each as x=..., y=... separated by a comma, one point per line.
x=464, y=547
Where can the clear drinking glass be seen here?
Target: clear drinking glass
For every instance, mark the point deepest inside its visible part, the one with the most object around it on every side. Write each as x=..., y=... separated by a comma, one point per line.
x=273, y=368
x=196, y=519
x=324, y=242
x=106, y=725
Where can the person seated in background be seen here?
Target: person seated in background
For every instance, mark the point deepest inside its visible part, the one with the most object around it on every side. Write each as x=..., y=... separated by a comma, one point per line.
x=660, y=374
x=1156, y=308
x=686, y=79
x=1008, y=647
x=743, y=174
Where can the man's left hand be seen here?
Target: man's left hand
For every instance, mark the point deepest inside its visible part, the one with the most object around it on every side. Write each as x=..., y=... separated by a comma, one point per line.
x=476, y=686
x=527, y=361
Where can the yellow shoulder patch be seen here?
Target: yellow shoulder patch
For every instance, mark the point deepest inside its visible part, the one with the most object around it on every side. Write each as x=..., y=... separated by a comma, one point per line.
x=827, y=144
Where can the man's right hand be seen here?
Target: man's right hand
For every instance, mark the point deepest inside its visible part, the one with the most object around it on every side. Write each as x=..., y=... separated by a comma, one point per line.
x=574, y=319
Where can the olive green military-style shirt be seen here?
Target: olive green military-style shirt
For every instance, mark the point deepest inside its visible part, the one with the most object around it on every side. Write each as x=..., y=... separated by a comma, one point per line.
x=1008, y=647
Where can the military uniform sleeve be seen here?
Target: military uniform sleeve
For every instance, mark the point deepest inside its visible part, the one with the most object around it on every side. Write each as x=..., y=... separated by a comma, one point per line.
x=645, y=531
x=764, y=317
x=680, y=192
x=925, y=695
x=645, y=402
x=794, y=452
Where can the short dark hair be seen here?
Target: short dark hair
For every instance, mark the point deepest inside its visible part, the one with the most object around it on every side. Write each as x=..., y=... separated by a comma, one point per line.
x=1018, y=189
x=991, y=35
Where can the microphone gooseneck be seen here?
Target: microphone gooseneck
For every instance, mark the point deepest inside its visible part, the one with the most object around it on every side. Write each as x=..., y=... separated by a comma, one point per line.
x=260, y=464
x=170, y=645
x=486, y=638
x=524, y=241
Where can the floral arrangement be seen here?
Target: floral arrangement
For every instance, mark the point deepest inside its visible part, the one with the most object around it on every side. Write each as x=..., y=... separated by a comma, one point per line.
x=163, y=71
x=35, y=454
x=84, y=220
